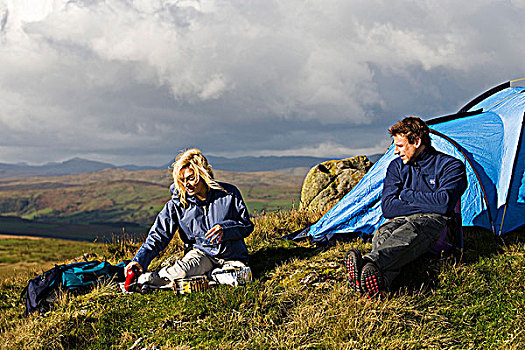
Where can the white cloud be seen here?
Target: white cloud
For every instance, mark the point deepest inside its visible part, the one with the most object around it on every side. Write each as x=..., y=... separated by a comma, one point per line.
x=518, y=3
x=103, y=77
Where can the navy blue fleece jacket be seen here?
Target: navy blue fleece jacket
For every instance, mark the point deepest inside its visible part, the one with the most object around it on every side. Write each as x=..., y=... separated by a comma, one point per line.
x=224, y=208
x=433, y=183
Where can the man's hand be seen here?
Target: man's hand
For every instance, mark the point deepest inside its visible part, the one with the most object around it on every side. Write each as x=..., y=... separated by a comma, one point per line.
x=215, y=234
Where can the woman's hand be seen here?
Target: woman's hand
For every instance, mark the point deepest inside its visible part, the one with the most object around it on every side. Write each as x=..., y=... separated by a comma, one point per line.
x=215, y=234
x=131, y=264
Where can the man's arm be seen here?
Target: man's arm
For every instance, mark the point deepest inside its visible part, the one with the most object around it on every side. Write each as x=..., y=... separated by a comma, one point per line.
x=452, y=183
x=391, y=204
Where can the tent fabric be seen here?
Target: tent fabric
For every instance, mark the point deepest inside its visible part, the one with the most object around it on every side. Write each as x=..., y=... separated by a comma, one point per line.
x=487, y=136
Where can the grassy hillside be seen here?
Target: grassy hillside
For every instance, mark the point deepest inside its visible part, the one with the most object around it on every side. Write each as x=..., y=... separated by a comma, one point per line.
x=299, y=299
x=99, y=204
x=20, y=256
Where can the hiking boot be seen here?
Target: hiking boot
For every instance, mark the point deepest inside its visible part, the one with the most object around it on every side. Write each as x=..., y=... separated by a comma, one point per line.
x=372, y=281
x=353, y=262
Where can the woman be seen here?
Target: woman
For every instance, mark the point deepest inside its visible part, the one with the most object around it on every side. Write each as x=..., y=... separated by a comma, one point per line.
x=211, y=218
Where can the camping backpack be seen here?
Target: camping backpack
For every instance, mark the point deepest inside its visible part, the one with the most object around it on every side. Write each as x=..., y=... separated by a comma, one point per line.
x=42, y=291
x=84, y=274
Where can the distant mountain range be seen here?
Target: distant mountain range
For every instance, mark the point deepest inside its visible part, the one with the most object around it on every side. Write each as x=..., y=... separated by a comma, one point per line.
x=297, y=165
x=268, y=163
x=69, y=167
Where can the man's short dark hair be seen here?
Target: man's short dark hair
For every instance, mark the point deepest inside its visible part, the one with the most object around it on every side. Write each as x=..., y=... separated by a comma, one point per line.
x=412, y=128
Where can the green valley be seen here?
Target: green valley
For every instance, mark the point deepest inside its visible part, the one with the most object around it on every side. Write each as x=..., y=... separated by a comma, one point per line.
x=101, y=204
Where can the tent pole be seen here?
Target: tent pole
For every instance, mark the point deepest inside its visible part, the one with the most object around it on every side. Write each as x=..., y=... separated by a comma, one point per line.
x=455, y=144
x=484, y=95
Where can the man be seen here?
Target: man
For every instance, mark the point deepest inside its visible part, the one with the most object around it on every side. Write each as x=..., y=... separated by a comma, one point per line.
x=420, y=191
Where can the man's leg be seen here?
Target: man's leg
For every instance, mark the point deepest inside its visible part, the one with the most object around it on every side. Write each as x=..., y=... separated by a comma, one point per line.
x=402, y=240
x=353, y=260
x=385, y=231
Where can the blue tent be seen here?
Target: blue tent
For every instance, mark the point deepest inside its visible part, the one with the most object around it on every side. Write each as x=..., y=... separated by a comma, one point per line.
x=486, y=135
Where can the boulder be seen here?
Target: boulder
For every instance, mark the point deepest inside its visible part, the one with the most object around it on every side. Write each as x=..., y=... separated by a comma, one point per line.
x=328, y=182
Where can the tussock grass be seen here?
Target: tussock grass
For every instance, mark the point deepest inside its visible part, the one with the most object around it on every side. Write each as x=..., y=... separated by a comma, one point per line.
x=298, y=300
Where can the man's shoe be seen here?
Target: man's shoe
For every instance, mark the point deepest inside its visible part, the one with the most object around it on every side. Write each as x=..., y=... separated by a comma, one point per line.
x=353, y=262
x=372, y=281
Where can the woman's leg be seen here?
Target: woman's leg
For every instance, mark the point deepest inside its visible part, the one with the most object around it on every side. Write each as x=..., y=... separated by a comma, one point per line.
x=193, y=263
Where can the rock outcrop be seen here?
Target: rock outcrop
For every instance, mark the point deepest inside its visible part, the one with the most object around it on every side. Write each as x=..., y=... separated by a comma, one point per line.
x=328, y=182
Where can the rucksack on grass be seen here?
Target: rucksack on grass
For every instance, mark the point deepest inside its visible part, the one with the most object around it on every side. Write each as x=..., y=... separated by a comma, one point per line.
x=42, y=291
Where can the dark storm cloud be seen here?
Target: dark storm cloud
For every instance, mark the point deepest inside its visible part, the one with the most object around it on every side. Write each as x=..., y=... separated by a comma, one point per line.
x=135, y=82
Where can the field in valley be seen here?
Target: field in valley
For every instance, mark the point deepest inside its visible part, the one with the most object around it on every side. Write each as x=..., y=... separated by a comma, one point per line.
x=96, y=206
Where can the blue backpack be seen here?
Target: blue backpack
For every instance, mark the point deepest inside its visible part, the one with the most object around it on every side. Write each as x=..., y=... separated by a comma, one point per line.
x=42, y=291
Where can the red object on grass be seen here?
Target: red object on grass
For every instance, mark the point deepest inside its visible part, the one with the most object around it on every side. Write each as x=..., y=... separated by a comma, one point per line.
x=132, y=274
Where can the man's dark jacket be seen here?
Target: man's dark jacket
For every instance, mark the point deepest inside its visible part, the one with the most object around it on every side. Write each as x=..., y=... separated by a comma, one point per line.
x=432, y=183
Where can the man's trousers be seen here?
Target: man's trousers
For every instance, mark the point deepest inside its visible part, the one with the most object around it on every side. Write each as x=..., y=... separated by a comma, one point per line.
x=403, y=239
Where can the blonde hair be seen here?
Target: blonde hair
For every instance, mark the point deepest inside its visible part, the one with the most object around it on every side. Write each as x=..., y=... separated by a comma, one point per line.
x=195, y=160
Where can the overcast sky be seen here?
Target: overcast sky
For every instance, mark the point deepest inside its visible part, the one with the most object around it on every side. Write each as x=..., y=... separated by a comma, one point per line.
x=136, y=81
